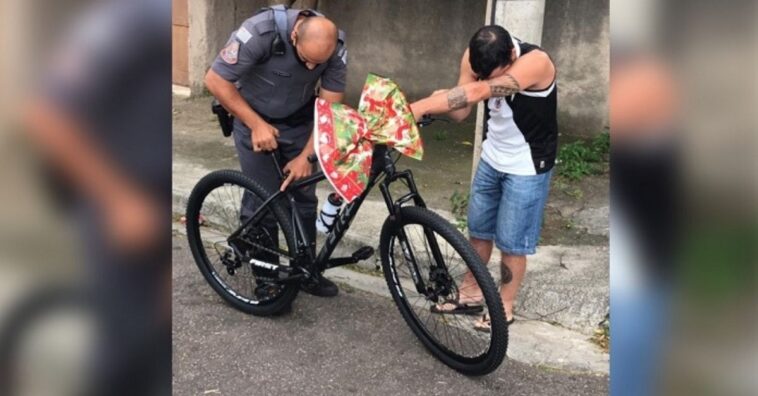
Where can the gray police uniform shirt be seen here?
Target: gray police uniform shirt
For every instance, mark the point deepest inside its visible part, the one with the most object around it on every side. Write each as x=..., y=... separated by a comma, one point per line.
x=274, y=86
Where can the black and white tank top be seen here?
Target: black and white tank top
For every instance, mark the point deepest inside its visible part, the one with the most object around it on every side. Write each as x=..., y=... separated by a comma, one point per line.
x=522, y=130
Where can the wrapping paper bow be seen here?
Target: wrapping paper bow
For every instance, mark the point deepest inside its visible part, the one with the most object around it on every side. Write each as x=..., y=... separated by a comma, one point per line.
x=344, y=138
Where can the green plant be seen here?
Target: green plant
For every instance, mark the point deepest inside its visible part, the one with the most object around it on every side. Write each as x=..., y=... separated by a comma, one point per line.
x=602, y=336
x=582, y=158
x=440, y=135
x=459, y=207
x=575, y=193
x=601, y=143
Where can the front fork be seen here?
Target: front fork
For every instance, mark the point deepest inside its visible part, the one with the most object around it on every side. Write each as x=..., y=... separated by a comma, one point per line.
x=393, y=206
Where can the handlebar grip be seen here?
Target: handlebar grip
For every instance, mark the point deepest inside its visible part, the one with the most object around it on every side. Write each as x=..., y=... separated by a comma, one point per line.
x=311, y=158
x=285, y=141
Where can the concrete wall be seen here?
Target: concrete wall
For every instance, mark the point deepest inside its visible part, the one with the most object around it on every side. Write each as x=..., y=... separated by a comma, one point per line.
x=523, y=18
x=417, y=43
x=244, y=9
x=576, y=36
x=210, y=23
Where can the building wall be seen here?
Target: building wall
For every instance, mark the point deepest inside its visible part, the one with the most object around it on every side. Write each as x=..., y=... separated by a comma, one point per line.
x=180, y=42
x=417, y=43
x=210, y=23
x=523, y=18
x=576, y=35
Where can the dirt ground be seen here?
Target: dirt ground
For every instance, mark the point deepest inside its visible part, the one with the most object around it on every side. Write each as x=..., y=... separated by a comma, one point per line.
x=574, y=213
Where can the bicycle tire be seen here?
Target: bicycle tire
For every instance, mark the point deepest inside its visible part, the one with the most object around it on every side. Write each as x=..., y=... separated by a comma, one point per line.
x=495, y=352
x=200, y=192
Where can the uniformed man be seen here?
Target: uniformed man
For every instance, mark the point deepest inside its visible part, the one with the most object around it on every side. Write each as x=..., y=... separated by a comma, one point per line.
x=266, y=76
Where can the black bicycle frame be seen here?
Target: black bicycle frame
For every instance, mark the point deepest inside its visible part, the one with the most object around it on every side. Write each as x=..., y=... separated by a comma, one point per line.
x=383, y=165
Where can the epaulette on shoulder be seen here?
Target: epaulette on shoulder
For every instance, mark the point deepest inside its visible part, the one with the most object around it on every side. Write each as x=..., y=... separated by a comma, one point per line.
x=264, y=26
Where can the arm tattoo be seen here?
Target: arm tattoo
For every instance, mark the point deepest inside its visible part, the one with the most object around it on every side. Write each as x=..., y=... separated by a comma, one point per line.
x=508, y=88
x=456, y=98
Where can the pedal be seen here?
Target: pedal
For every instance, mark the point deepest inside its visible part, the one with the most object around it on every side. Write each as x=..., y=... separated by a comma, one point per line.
x=363, y=253
x=360, y=254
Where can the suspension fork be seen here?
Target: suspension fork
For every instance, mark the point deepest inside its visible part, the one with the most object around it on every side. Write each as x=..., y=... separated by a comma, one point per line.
x=394, y=209
x=429, y=234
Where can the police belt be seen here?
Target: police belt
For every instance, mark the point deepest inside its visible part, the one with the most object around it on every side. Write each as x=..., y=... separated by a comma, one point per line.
x=301, y=116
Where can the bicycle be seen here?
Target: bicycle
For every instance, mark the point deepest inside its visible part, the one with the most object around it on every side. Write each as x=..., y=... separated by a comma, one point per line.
x=423, y=257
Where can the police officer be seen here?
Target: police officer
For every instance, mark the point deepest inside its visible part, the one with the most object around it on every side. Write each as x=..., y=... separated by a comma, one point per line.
x=266, y=76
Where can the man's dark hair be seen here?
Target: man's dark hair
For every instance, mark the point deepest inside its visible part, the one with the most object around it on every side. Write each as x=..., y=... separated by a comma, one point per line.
x=489, y=48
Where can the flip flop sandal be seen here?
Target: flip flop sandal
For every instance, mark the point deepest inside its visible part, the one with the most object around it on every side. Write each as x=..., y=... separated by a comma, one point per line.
x=458, y=308
x=484, y=325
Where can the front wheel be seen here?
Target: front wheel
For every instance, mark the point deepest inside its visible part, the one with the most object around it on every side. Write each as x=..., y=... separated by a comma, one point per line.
x=425, y=261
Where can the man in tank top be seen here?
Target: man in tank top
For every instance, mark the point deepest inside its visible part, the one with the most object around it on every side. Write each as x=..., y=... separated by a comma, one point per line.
x=511, y=184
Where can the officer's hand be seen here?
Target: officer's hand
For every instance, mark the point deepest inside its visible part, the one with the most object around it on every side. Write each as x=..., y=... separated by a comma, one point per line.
x=264, y=137
x=297, y=169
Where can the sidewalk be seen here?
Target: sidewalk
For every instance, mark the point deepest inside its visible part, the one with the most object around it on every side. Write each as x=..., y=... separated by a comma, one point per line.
x=564, y=296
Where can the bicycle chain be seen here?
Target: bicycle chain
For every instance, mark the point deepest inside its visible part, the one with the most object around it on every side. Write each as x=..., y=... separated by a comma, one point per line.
x=259, y=246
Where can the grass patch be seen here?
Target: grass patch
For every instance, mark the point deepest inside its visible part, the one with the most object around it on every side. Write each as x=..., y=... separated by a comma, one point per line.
x=376, y=271
x=459, y=207
x=584, y=157
x=602, y=336
x=440, y=135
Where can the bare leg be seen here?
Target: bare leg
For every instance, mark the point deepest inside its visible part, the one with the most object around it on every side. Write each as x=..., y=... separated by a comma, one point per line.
x=469, y=288
x=508, y=291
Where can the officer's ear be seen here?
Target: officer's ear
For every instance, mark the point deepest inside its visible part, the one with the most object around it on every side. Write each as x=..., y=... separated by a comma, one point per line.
x=293, y=38
x=293, y=35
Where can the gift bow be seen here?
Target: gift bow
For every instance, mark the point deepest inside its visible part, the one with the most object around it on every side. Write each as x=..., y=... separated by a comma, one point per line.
x=345, y=138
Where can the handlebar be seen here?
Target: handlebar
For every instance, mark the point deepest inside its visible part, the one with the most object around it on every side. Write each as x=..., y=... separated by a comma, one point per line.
x=311, y=158
x=427, y=120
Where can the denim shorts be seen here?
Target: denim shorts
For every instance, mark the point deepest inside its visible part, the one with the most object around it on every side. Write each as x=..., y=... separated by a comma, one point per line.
x=507, y=208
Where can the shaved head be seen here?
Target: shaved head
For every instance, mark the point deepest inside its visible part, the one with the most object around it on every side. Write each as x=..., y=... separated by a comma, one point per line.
x=317, y=37
x=318, y=28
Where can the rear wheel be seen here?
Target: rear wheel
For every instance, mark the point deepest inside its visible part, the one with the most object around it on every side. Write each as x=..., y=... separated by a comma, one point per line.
x=214, y=212
x=425, y=260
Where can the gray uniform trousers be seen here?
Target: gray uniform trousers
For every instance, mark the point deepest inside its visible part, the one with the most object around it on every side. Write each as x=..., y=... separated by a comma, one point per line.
x=260, y=167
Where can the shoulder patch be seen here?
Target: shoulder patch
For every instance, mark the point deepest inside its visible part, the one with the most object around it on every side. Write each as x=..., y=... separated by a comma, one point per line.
x=243, y=35
x=230, y=53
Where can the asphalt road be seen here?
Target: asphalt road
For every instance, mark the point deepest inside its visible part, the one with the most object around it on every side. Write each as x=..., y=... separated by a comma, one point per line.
x=355, y=343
